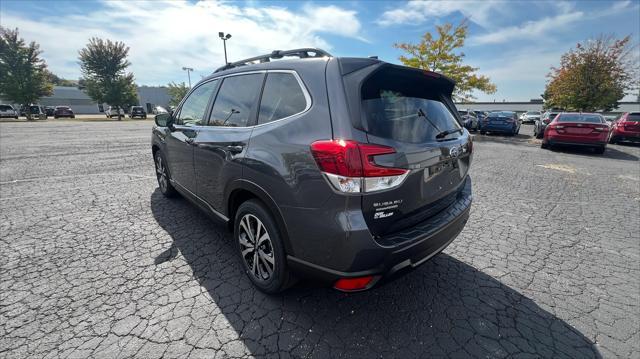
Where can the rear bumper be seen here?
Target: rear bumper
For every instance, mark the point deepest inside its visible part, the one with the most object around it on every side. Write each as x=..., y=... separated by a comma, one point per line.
x=417, y=244
x=573, y=141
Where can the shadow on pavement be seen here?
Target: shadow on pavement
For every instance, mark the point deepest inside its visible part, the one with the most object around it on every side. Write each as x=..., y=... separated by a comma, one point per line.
x=611, y=152
x=445, y=308
x=500, y=137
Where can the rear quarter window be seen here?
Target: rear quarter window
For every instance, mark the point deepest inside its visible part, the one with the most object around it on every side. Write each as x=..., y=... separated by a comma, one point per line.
x=282, y=97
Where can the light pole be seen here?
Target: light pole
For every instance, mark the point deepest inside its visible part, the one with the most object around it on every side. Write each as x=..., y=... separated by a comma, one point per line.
x=224, y=42
x=188, y=70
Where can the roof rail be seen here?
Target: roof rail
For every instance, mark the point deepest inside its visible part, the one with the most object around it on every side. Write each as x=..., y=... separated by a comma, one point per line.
x=277, y=54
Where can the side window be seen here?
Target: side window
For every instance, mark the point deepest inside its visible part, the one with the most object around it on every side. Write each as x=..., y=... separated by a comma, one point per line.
x=193, y=108
x=235, y=100
x=282, y=97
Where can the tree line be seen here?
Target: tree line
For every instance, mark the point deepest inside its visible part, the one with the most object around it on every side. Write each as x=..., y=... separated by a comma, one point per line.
x=595, y=75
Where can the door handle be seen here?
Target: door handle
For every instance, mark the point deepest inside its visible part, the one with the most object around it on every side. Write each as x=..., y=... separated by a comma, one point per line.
x=235, y=149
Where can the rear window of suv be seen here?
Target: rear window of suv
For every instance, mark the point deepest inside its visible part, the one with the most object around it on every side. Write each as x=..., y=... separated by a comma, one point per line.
x=406, y=111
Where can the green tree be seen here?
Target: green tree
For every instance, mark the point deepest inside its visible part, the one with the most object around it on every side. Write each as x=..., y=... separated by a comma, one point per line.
x=23, y=74
x=103, y=64
x=593, y=76
x=177, y=91
x=439, y=53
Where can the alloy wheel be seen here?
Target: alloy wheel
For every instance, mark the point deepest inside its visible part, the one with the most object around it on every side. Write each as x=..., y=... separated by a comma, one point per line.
x=161, y=173
x=256, y=248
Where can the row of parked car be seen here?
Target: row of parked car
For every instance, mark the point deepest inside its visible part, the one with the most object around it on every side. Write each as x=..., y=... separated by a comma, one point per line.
x=43, y=112
x=559, y=128
x=490, y=121
x=36, y=111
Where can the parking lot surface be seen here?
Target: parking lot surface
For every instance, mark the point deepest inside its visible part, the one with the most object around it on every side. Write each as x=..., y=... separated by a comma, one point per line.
x=96, y=263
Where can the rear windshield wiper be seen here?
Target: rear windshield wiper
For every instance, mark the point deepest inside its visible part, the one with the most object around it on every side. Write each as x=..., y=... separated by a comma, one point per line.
x=447, y=133
x=441, y=134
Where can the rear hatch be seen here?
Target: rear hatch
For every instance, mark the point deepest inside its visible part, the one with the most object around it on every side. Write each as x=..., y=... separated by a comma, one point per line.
x=411, y=112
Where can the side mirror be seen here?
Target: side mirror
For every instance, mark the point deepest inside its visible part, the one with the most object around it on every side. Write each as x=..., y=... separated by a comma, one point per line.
x=163, y=120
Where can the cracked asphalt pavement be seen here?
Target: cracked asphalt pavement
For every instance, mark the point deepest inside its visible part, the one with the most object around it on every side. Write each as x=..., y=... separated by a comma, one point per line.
x=96, y=263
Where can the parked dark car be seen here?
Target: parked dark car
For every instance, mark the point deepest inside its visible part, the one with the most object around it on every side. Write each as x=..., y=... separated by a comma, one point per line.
x=540, y=124
x=63, y=111
x=501, y=122
x=626, y=128
x=137, y=111
x=49, y=110
x=469, y=119
x=345, y=170
x=37, y=112
x=577, y=129
x=7, y=111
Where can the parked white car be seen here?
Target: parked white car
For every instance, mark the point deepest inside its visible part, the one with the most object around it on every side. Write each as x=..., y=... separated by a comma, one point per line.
x=8, y=111
x=113, y=111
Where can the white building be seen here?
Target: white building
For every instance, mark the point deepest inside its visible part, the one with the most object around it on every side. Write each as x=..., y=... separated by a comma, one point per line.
x=532, y=106
x=148, y=96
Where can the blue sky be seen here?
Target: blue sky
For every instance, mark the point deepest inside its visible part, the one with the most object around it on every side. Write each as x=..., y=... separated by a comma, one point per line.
x=514, y=43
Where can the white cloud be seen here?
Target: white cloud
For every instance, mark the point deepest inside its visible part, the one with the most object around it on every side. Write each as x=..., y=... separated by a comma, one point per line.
x=164, y=36
x=530, y=29
x=418, y=12
x=539, y=29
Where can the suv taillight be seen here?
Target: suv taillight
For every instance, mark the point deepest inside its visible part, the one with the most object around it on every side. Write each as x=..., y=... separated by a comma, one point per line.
x=349, y=166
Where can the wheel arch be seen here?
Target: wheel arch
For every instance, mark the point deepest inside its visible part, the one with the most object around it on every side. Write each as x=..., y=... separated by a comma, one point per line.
x=240, y=191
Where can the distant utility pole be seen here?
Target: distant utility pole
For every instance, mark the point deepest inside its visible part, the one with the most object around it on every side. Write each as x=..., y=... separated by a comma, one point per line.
x=188, y=70
x=224, y=39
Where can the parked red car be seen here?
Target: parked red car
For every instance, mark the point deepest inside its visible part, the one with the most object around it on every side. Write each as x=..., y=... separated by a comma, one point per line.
x=626, y=128
x=579, y=129
x=63, y=111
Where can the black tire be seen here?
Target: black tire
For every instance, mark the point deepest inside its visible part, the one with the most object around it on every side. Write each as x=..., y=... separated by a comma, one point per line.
x=163, y=175
x=544, y=145
x=483, y=132
x=55, y=117
x=613, y=140
x=600, y=150
x=254, y=215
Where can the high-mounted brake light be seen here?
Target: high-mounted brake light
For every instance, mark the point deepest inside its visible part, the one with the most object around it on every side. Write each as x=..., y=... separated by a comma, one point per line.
x=350, y=168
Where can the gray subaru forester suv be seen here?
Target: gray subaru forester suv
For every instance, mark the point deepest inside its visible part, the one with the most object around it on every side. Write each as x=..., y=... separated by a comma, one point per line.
x=343, y=170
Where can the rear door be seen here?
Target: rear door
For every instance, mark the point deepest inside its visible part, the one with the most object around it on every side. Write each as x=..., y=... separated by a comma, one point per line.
x=221, y=146
x=411, y=111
